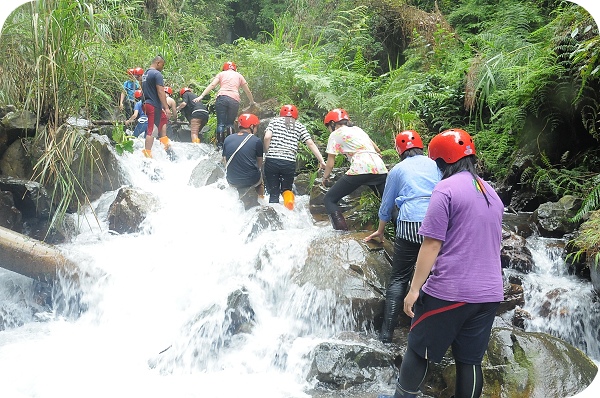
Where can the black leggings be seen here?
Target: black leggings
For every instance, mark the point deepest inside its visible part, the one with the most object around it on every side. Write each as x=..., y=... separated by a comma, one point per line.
x=469, y=378
x=350, y=183
x=403, y=265
x=279, y=177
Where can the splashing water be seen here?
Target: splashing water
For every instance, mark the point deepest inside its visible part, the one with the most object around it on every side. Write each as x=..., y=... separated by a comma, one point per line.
x=560, y=304
x=156, y=323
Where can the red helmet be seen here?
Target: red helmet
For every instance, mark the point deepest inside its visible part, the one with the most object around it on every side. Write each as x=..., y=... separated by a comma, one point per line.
x=336, y=115
x=408, y=139
x=137, y=94
x=247, y=120
x=451, y=146
x=168, y=90
x=138, y=71
x=229, y=65
x=289, y=111
x=183, y=90
x=131, y=71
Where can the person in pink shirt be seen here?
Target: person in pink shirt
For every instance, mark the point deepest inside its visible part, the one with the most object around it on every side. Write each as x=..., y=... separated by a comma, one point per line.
x=228, y=99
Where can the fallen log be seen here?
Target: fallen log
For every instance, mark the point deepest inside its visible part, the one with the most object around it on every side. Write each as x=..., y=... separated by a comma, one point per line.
x=31, y=257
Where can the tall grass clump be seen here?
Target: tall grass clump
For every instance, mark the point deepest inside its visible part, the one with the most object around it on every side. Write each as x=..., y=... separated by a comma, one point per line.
x=60, y=52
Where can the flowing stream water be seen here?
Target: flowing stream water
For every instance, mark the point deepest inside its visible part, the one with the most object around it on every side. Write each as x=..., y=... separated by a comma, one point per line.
x=155, y=323
x=561, y=304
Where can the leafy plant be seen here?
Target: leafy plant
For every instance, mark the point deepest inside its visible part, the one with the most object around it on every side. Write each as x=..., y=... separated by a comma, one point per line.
x=587, y=242
x=390, y=156
x=368, y=208
x=123, y=142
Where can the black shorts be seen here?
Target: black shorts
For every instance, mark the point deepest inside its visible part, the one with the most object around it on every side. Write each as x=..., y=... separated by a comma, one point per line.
x=439, y=324
x=201, y=114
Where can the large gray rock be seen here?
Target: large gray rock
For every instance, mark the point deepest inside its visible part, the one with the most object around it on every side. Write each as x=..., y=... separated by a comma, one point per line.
x=342, y=365
x=129, y=209
x=356, y=275
x=514, y=253
x=206, y=334
x=553, y=219
x=30, y=197
x=517, y=364
x=15, y=162
x=10, y=216
x=207, y=172
x=536, y=365
x=20, y=120
x=98, y=168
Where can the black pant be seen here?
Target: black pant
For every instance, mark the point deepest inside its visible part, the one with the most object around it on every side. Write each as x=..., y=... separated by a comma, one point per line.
x=403, y=266
x=226, y=109
x=350, y=183
x=468, y=383
x=279, y=177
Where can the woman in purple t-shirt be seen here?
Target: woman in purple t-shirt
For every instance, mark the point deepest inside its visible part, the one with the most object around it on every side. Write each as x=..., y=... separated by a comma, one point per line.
x=457, y=284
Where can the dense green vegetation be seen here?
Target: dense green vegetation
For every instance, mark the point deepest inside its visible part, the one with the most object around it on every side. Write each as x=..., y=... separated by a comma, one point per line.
x=522, y=76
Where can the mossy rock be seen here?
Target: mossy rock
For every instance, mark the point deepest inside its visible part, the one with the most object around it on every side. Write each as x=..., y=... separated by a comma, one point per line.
x=524, y=364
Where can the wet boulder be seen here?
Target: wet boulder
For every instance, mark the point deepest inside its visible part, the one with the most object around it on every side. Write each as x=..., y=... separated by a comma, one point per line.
x=265, y=218
x=15, y=162
x=129, y=209
x=521, y=364
x=355, y=276
x=513, y=297
x=239, y=313
x=207, y=172
x=10, y=216
x=15, y=124
x=33, y=202
x=207, y=333
x=104, y=173
x=520, y=317
x=553, y=219
x=345, y=364
x=514, y=253
x=19, y=120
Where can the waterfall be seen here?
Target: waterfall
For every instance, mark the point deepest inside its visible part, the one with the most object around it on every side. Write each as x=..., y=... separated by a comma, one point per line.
x=560, y=304
x=156, y=323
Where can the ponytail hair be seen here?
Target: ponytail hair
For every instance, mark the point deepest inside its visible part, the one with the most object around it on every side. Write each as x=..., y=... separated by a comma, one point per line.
x=468, y=163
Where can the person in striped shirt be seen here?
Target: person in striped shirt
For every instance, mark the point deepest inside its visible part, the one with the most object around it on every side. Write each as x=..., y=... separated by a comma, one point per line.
x=282, y=136
x=408, y=188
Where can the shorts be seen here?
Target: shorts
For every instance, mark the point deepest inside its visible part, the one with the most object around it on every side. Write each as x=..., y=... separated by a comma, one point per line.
x=439, y=324
x=200, y=114
x=154, y=124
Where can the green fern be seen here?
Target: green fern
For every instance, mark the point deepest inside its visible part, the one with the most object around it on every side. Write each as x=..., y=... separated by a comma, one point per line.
x=590, y=202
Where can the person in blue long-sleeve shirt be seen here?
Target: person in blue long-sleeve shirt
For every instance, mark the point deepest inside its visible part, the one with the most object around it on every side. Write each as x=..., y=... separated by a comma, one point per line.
x=408, y=188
